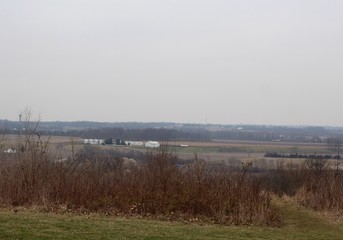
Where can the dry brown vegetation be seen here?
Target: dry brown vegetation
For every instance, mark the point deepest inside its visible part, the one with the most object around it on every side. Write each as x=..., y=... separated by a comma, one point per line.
x=95, y=180
x=322, y=188
x=314, y=184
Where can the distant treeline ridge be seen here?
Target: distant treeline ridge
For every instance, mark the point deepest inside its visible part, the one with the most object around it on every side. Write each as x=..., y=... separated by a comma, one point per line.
x=185, y=132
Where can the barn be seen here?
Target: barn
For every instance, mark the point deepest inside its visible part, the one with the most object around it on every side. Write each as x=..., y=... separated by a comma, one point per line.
x=152, y=144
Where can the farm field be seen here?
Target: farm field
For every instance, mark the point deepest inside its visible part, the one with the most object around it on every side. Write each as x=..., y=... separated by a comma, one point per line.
x=210, y=146
x=218, y=151
x=11, y=138
x=235, y=152
x=252, y=147
x=298, y=223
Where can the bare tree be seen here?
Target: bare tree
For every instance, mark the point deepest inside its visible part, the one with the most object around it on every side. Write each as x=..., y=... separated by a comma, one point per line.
x=27, y=130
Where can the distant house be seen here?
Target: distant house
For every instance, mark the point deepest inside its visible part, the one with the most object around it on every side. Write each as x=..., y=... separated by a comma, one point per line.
x=152, y=144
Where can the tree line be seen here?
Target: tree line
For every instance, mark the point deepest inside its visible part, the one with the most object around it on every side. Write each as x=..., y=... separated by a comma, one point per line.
x=303, y=156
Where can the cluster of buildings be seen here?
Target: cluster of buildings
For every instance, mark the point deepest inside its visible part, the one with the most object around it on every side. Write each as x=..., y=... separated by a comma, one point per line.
x=147, y=144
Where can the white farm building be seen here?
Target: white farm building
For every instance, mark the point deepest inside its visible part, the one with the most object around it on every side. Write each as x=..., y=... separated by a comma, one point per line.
x=134, y=143
x=93, y=141
x=10, y=150
x=152, y=144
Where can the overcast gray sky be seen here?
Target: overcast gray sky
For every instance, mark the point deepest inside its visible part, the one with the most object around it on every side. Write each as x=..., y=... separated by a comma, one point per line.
x=224, y=61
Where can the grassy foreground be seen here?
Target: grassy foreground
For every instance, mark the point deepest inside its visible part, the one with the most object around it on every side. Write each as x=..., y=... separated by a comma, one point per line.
x=298, y=224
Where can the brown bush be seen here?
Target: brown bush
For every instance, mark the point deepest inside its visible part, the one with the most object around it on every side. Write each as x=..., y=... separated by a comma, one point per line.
x=322, y=187
x=284, y=180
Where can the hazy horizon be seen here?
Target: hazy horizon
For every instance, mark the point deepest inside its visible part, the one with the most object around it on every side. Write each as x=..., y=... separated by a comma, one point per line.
x=224, y=62
x=37, y=117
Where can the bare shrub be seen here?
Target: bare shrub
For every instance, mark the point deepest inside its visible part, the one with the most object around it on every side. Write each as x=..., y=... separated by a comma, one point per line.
x=284, y=180
x=322, y=187
x=314, y=184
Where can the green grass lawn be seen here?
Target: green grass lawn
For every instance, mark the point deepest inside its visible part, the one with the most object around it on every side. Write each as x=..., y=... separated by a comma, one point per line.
x=298, y=224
